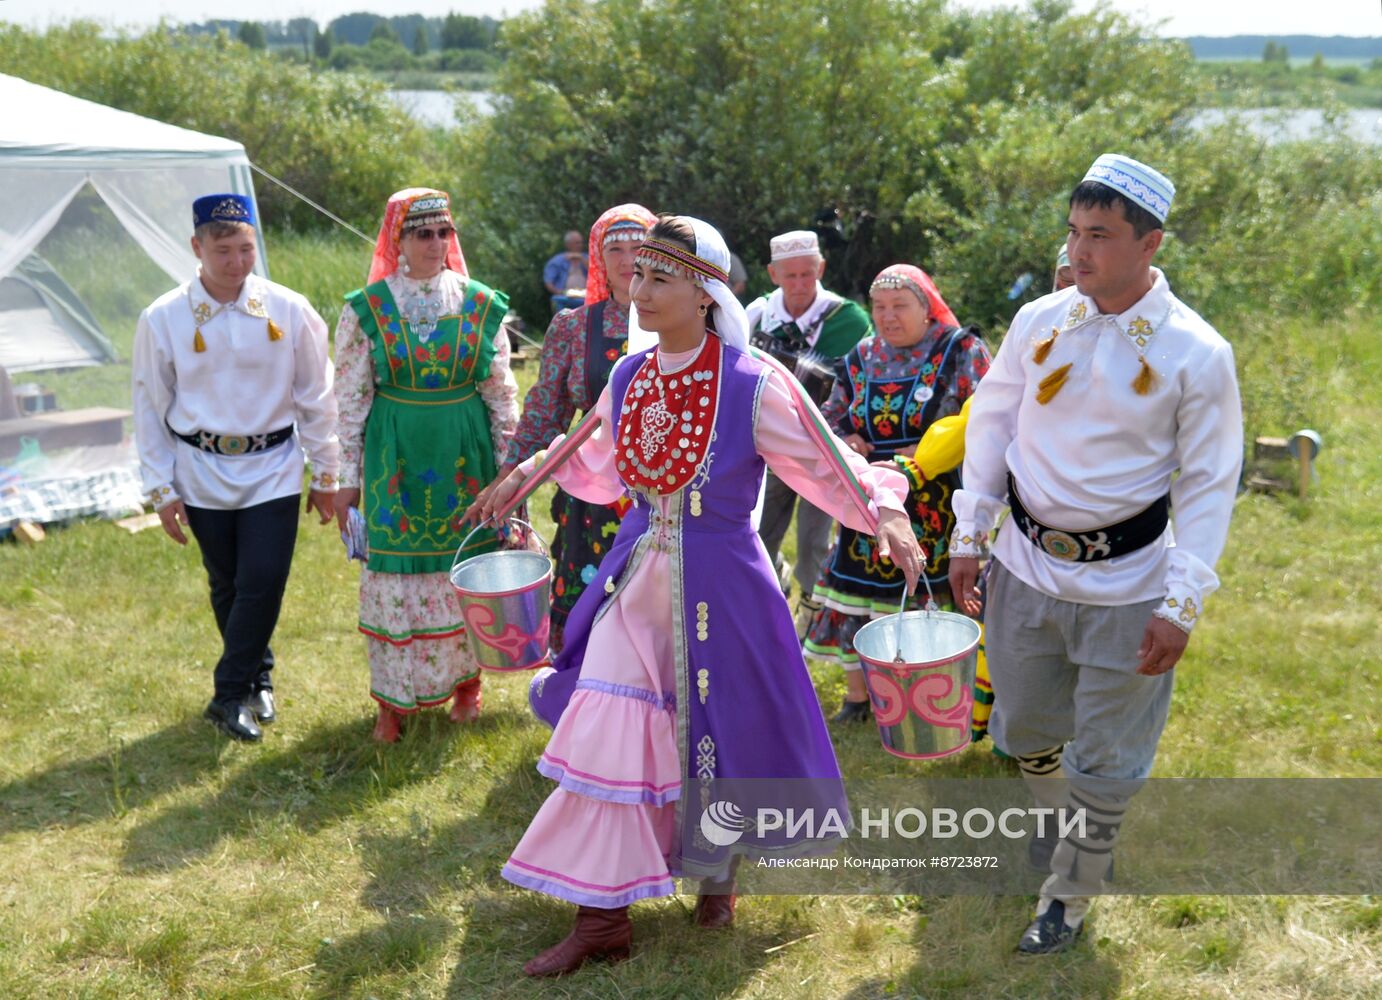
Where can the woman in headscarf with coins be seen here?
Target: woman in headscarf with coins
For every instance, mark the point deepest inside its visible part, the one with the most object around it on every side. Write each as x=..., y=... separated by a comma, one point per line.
x=917, y=370
x=428, y=406
x=682, y=673
x=578, y=353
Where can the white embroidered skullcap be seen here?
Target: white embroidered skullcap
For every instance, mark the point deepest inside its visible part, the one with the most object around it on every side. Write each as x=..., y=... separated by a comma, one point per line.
x=798, y=243
x=1144, y=186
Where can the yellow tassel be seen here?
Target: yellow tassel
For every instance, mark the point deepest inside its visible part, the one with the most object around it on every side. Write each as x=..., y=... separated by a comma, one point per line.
x=1146, y=378
x=198, y=344
x=1051, y=384
x=1043, y=347
x=274, y=332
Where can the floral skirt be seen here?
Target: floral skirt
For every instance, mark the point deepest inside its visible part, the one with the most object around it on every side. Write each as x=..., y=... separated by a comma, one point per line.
x=416, y=639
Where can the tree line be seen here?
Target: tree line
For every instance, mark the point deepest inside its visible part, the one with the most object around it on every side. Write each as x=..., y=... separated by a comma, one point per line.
x=907, y=129
x=381, y=39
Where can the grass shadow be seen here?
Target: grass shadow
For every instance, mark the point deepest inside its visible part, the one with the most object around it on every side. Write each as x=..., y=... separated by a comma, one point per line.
x=966, y=947
x=670, y=957
x=331, y=773
x=127, y=777
x=398, y=946
x=410, y=869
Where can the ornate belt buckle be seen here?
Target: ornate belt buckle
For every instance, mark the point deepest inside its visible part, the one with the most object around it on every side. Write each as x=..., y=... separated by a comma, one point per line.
x=234, y=444
x=1061, y=545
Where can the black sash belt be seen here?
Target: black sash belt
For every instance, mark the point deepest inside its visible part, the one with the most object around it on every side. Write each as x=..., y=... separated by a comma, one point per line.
x=1093, y=544
x=236, y=444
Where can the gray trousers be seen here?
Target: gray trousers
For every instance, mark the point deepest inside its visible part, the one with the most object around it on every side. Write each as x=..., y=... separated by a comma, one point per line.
x=1064, y=675
x=813, y=531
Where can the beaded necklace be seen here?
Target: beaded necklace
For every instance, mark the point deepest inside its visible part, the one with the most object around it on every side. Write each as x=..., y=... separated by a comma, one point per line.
x=666, y=421
x=421, y=306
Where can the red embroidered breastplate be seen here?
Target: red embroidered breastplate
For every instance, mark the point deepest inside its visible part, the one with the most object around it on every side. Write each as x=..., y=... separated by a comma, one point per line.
x=666, y=421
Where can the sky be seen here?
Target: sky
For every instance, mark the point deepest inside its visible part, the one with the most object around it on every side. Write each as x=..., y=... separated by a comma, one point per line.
x=1180, y=17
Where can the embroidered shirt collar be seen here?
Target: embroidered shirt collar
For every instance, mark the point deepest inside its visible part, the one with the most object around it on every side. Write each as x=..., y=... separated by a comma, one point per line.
x=250, y=301
x=1139, y=321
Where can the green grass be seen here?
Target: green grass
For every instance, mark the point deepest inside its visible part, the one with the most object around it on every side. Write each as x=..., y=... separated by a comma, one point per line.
x=143, y=856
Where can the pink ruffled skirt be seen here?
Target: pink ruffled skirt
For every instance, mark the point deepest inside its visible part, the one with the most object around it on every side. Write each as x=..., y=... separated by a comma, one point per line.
x=604, y=835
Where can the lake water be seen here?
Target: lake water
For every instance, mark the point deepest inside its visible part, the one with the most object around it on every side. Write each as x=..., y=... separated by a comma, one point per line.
x=1363, y=124
x=437, y=108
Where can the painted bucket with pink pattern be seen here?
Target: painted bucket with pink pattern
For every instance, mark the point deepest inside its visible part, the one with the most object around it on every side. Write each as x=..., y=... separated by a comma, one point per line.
x=920, y=671
x=505, y=601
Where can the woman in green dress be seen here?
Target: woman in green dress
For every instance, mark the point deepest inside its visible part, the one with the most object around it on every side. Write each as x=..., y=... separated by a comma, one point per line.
x=428, y=406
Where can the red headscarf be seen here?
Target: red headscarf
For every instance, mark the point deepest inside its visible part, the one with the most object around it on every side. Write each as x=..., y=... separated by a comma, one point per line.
x=918, y=282
x=597, y=282
x=396, y=213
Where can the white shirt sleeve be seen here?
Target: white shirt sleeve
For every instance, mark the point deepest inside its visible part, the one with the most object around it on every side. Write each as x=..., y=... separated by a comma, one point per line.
x=354, y=388
x=152, y=385
x=313, y=400
x=992, y=427
x=1209, y=445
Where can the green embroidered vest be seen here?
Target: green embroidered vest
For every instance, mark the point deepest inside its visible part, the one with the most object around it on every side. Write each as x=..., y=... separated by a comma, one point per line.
x=428, y=449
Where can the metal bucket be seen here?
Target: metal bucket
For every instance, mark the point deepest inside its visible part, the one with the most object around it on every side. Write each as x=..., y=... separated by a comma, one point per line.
x=506, y=605
x=920, y=671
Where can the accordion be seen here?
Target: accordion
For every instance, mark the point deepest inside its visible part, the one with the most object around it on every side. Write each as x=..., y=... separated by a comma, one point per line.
x=788, y=345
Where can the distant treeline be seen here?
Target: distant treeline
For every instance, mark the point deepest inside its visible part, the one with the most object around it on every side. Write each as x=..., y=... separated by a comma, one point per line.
x=1252, y=46
x=454, y=31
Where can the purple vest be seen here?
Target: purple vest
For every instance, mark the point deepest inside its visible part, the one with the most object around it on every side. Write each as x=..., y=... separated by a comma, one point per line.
x=745, y=704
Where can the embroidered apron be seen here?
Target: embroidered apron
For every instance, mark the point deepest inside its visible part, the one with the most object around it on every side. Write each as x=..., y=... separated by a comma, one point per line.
x=428, y=447
x=892, y=414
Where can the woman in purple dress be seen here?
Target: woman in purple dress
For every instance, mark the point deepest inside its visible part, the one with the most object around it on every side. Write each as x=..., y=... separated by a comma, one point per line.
x=681, y=671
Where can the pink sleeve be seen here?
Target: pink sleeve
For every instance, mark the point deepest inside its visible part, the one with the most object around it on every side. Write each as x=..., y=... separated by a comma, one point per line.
x=786, y=445
x=589, y=474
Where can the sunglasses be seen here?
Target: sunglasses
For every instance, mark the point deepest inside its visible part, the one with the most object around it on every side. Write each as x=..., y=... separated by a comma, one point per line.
x=427, y=235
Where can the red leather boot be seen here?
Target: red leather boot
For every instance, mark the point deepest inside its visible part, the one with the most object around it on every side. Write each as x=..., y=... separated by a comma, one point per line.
x=466, y=707
x=715, y=904
x=598, y=934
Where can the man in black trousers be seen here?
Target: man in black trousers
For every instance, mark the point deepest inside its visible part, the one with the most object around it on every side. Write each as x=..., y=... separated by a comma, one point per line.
x=231, y=385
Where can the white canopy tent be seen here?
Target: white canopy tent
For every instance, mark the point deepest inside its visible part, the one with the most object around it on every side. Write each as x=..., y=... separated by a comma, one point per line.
x=80, y=460
x=147, y=172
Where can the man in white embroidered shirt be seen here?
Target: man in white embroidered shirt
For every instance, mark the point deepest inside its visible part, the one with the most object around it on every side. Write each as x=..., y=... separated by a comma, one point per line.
x=231, y=384
x=1110, y=404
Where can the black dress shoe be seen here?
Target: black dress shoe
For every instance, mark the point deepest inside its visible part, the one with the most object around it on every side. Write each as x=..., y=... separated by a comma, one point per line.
x=261, y=703
x=235, y=720
x=1048, y=933
x=852, y=711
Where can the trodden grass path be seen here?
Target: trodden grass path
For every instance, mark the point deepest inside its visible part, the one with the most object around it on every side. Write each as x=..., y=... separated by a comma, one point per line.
x=141, y=855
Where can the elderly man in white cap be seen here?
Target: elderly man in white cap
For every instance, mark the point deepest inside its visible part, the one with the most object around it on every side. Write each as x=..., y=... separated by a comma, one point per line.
x=807, y=328
x=1109, y=405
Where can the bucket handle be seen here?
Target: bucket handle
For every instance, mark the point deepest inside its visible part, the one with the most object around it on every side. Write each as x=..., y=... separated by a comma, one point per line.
x=931, y=606
x=532, y=531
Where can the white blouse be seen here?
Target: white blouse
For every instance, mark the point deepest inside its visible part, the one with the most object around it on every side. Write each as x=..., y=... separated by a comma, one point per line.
x=1098, y=452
